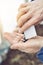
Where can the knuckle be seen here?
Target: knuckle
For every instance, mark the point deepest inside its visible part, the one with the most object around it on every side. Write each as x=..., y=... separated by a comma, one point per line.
x=21, y=5
x=22, y=10
x=22, y=19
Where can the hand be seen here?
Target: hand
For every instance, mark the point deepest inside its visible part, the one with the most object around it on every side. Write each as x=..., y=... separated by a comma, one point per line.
x=30, y=14
x=30, y=46
x=13, y=38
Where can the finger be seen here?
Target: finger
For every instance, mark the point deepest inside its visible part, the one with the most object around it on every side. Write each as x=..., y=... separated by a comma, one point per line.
x=23, y=5
x=18, y=46
x=19, y=34
x=31, y=22
x=11, y=38
x=30, y=46
x=14, y=34
x=16, y=30
x=22, y=12
x=35, y=42
x=24, y=49
x=8, y=36
x=21, y=46
x=27, y=16
x=24, y=18
x=31, y=50
x=19, y=37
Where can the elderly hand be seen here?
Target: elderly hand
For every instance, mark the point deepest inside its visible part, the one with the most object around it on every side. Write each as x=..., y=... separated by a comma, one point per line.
x=30, y=14
x=13, y=38
x=30, y=46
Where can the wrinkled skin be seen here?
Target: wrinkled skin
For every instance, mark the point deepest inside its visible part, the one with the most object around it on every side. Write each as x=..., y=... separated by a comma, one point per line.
x=31, y=46
x=29, y=14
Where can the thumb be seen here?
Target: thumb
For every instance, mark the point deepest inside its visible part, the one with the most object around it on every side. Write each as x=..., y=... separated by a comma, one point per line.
x=18, y=45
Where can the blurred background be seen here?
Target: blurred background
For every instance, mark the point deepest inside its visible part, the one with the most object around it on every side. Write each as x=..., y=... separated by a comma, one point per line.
x=8, y=12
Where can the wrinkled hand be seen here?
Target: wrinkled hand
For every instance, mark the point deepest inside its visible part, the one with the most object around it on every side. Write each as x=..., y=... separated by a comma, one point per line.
x=13, y=38
x=29, y=14
x=30, y=46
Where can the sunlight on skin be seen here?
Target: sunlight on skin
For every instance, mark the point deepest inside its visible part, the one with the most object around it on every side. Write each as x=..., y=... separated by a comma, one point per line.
x=8, y=12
